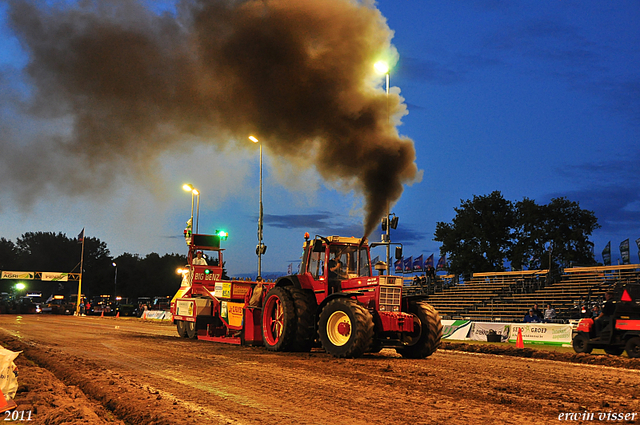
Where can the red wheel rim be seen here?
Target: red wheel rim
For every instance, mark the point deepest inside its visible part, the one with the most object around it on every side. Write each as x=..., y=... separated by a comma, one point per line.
x=273, y=321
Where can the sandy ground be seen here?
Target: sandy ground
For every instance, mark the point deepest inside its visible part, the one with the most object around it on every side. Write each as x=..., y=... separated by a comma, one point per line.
x=91, y=370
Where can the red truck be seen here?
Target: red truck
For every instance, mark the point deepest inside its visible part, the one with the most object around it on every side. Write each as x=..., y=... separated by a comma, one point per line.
x=334, y=301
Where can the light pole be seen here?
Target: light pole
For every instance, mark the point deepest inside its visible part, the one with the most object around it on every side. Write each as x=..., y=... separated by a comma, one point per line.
x=381, y=68
x=194, y=192
x=260, y=249
x=115, y=282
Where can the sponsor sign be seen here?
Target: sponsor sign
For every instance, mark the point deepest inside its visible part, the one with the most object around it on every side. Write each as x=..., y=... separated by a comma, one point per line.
x=185, y=308
x=479, y=330
x=235, y=314
x=55, y=276
x=18, y=275
x=157, y=315
x=455, y=329
x=239, y=290
x=542, y=333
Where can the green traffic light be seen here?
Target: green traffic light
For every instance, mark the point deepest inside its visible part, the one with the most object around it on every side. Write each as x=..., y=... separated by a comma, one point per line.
x=223, y=235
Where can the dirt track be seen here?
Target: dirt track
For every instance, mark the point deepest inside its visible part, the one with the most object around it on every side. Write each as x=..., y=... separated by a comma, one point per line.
x=134, y=372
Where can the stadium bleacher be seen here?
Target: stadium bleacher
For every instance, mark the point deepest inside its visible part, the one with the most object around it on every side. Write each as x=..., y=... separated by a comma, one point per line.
x=507, y=296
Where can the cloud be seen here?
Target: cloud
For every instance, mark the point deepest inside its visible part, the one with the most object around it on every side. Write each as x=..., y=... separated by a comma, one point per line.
x=446, y=71
x=610, y=189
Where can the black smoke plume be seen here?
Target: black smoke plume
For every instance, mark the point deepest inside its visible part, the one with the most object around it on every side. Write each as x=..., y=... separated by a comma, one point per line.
x=132, y=83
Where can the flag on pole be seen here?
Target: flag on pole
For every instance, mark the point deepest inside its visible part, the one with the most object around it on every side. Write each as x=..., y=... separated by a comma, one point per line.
x=418, y=264
x=624, y=251
x=408, y=265
x=398, y=266
x=606, y=254
x=442, y=263
x=429, y=262
x=375, y=260
x=81, y=236
x=638, y=243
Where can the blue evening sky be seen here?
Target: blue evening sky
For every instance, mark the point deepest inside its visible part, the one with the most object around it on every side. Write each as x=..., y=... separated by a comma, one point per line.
x=533, y=99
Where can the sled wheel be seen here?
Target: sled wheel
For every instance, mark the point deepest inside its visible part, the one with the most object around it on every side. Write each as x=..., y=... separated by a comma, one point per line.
x=278, y=320
x=581, y=344
x=633, y=348
x=305, y=305
x=614, y=351
x=345, y=328
x=182, y=328
x=427, y=332
x=192, y=333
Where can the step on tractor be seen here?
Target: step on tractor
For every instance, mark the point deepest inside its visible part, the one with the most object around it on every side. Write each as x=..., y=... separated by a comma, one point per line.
x=621, y=333
x=334, y=302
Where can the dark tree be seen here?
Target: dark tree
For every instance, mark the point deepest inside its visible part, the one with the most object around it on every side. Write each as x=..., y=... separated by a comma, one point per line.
x=487, y=231
x=480, y=235
x=8, y=255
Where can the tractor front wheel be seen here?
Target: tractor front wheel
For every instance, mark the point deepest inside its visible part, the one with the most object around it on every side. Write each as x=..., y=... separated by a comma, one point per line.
x=581, y=344
x=278, y=320
x=427, y=332
x=633, y=347
x=345, y=328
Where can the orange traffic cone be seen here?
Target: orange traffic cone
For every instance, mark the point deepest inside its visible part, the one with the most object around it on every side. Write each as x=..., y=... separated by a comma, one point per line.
x=102, y=314
x=519, y=342
x=6, y=405
x=117, y=315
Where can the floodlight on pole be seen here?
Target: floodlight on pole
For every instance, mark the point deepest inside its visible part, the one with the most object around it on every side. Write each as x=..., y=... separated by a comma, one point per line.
x=382, y=68
x=260, y=249
x=194, y=192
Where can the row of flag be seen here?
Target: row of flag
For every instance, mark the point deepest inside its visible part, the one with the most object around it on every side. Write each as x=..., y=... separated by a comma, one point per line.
x=624, y=252
x=417, y=265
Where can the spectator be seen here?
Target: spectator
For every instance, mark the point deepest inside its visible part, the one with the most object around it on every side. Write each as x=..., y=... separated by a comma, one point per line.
x=431, y=275
x=549, y=314
x=531, y=317
x=538, y=312
x=199, y=260
x=608, y=308
x=595, y=311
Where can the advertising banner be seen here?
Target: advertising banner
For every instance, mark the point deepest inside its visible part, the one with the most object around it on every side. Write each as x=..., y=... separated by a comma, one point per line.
x=455, y=329
x=55, y=276
x=157, y=315
x=479, y=330
x=542, y=333
x=18, y=275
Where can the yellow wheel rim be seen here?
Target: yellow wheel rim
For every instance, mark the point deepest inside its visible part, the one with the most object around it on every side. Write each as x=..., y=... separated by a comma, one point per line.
x=339, y=328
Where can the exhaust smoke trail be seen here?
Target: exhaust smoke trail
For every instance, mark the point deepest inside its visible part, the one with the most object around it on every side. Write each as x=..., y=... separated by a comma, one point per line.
x=131, y=84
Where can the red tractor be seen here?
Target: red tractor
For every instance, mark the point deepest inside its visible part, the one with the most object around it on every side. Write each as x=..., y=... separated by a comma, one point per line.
x=621, y=333
x=334, y=301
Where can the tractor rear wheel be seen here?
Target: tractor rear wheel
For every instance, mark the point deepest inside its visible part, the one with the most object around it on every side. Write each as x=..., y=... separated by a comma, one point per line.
x=345, y=328
x=581, y=344
x=427, y=332
x=192, y=332
x=182, y=328
x=305, y=306
x=633, y=347
x=278, y=320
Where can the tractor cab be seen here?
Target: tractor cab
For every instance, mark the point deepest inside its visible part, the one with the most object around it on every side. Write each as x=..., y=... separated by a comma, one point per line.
x=335, y=263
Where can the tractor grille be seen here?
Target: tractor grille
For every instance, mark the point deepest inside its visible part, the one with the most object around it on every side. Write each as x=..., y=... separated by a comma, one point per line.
x=390, y=298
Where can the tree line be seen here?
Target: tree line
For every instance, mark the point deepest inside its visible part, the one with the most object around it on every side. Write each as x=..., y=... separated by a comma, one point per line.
x=137, y=276
x=489, y=233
